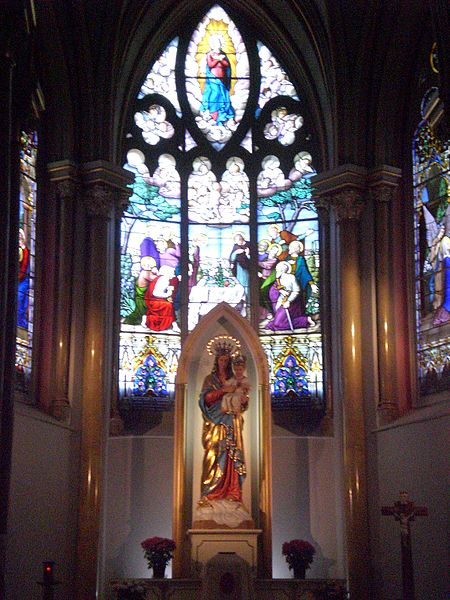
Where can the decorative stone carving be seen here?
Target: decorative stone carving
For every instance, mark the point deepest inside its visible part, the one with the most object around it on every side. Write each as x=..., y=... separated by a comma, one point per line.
x=100, y=200
x=347, y=203
x=62, y=190
x=123, y=201
x=322, y=205
x=116, y=426
x=61, y=410
x=65, y=189
x=382, y=194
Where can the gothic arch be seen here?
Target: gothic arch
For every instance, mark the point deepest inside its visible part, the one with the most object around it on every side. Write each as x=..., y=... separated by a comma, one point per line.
x=299, y=40
x=221, y=314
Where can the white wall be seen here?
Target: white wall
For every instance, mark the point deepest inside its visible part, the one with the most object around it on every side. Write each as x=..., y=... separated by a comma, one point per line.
x=138, y=502
x=307, y=504
x=43, y=504
x=413, y=456
x=305, y=501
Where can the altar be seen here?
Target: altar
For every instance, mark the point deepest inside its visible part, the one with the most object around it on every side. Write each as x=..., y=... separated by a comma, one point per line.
x=220, y=454
x=262, y=589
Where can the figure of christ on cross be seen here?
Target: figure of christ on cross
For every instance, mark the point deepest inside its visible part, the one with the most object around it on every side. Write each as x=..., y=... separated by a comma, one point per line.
x=405, y=511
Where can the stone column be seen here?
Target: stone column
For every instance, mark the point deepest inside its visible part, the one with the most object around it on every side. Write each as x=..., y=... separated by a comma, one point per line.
x=323, y=211
x=103, y=191
x=9, y=226
x=344, y=190
x=63, y=186
x=382, y=187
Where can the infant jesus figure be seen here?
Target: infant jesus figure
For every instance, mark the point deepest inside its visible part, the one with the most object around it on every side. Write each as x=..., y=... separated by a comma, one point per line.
x=237, y=401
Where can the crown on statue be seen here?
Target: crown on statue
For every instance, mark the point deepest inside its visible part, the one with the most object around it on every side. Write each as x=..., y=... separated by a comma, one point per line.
x=223, y=344
x=239, y=359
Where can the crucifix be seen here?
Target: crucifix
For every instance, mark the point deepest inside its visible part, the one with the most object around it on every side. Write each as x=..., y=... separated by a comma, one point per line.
x=405, y=511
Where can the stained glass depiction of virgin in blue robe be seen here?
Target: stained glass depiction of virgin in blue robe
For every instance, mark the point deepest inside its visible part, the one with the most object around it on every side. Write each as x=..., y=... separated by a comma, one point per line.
x=216, y=96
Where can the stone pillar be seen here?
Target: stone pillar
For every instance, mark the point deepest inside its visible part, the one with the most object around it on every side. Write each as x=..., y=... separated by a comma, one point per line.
x=63, y=186
x=104, y=186
x=9, y=225
x=383, y=183
x=344, y=190
x=326, y=425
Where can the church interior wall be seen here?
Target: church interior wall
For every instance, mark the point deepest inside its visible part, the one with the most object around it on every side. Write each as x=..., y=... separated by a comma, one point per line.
x=304, y=485
x=412, y=455
x=305, y=488
x=44, y=501
x=138, y=501
x=409, y=454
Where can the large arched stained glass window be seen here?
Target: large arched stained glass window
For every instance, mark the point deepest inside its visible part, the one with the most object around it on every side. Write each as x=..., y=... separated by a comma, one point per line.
x=25, y=292
x=431, y=162
x=221, y=211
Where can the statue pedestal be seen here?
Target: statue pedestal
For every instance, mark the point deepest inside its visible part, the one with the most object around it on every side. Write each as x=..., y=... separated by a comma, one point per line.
x=206, y=543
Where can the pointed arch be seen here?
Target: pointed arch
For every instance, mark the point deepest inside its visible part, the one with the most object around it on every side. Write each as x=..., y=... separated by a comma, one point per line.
x=220, y=314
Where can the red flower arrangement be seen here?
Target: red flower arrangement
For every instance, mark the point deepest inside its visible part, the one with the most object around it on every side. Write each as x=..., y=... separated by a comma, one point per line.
x=158, y=550
x=298, y=553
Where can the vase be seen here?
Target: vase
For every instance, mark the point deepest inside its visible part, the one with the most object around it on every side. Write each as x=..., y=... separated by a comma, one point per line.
x=159, y=569
x=299, y=570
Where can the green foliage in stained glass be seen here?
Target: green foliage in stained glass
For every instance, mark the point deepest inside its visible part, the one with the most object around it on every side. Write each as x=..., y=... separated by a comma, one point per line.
x=146, y=197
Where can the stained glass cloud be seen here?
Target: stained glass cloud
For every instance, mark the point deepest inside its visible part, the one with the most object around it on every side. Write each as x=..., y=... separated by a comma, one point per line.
x=206, y=193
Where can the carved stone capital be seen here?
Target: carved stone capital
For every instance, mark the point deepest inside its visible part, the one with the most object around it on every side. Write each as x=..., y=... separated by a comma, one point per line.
x=348, y=204
x=63, y=189
x=322, y=203
x=100, y=200
x=123, y=199
x=387, y=412
x=61, y=410
x=382, y=194
x=116, y=425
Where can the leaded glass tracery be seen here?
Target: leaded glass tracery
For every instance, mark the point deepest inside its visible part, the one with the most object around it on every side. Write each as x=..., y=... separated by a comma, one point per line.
x=221, y=210
x=26, y=270
x=431, y=160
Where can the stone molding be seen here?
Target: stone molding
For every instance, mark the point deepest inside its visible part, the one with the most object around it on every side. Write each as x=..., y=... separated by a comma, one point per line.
x=342, y=189
x=99, y=200
x=348, y=204
x=383, y=182
x=63, y=189
x=106, y=191
x=346, y=188
x=387, y=412
x=382, y=194
x=61, y=410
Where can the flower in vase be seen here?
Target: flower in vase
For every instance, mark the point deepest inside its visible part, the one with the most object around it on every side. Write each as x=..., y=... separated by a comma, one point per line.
x=158, y=550
x=298, y=553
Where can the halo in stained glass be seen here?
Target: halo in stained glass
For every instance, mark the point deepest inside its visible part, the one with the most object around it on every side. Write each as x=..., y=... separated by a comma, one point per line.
x=154, y=196
x=154, y=125
x=283, y=126
x=193, y=207
x=274, y=79
x=271, y=178
x=211, y=201
x=217, y=76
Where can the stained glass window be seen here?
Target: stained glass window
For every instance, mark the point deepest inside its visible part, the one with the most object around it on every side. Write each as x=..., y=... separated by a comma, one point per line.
x=431, y=162
x=25, y=290
x=221, y=211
